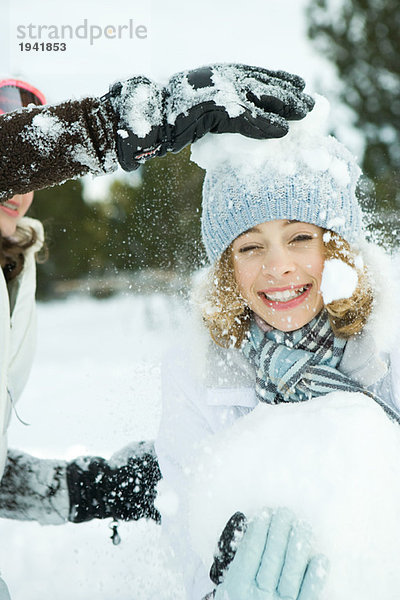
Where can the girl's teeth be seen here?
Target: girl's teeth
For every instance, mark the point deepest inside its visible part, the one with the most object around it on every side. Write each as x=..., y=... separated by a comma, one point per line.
x=12, y=206
x=286, y=295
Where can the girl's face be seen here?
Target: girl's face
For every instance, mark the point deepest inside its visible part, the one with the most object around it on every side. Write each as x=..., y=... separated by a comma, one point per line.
x=12, y=211
x=278, y=268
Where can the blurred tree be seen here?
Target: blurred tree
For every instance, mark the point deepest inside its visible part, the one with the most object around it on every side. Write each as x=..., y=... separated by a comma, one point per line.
x=159, y=221
x=75, y=234
x=361, y=37
x=152, y=225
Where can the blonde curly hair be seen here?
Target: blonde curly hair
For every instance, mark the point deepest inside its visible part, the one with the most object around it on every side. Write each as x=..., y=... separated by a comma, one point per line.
x=227, y=316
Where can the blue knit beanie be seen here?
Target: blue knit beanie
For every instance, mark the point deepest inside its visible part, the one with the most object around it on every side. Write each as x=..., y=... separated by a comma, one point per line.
x=305, y=176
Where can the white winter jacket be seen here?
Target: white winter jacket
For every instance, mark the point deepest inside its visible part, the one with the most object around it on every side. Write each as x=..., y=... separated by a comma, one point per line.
x=206, y=389
x=17, y=334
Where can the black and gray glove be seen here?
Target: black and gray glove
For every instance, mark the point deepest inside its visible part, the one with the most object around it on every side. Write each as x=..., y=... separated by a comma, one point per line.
x=122, y=488
x=53, y=492
x=221, y=98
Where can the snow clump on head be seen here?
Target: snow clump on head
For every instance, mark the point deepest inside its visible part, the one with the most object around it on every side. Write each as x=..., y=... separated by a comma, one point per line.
x=306, y=176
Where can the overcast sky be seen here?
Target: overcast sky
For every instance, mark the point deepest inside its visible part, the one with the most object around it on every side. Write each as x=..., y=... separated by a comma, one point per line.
x=179, y=34
x=172, y=35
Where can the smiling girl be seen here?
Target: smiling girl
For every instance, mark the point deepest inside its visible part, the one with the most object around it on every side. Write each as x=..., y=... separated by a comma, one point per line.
x=278, y=269
x=12, y=211
x=271, y=222
x=20, y=239
x=42, y=146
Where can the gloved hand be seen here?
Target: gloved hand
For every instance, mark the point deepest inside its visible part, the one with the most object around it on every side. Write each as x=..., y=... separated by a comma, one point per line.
x=53, y=492
x=221, y=98
x=274, y=561
x=122, y=488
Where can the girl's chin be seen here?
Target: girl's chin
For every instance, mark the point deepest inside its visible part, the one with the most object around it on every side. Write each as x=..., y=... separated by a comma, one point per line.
x=293, y=326
x=7, y=232
x=288, y=322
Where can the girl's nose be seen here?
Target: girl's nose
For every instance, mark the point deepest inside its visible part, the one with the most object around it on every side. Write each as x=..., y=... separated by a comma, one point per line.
x=278, y=263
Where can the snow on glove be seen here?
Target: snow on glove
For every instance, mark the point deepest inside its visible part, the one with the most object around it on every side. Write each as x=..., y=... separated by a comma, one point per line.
x=53, y=492
x=122, y=488
x=274, y=561
x=221, y=98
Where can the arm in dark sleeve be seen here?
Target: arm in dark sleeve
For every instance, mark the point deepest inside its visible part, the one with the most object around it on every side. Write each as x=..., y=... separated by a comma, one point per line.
x=54, y=491
x=139, y=119
x=44, y=146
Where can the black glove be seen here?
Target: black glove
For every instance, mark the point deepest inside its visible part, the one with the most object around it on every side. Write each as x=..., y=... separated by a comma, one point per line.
x=54, y=491
x=221, y=98
x=99, y=489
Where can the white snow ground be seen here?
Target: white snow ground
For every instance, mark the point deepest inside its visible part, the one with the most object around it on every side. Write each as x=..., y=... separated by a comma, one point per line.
x=94, y=388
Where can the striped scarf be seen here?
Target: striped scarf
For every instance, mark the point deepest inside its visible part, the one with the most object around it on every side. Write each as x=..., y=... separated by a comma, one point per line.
x=297, y=365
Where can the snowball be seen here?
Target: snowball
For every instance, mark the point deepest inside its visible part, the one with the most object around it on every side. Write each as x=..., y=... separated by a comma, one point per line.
x=339, y=280
x=334, y=462
x=297, y=147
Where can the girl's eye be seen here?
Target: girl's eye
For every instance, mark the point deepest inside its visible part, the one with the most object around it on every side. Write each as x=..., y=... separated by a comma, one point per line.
x=302, y=237
x=248, y=249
